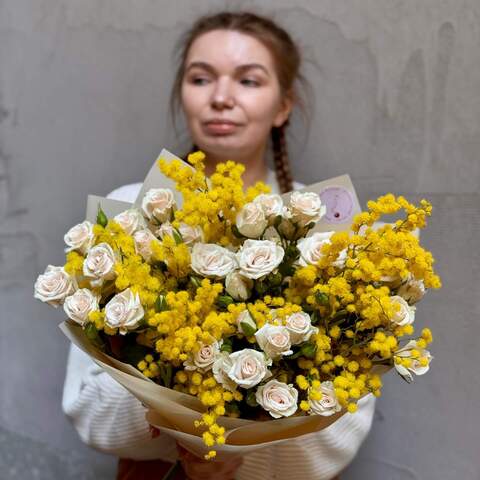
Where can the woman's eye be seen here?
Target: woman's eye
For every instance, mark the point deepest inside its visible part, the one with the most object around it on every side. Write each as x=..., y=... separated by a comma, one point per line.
x=199, y=80
x=249, y=82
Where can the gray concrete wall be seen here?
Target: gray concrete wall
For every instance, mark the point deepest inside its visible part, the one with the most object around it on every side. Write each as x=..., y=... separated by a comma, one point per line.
x=83, y=109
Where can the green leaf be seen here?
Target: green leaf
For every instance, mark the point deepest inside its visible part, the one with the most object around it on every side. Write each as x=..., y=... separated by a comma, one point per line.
x=292, y=252
x=286, y=269
x=196, y=282
x=295, y=355
x=340, y=314
x=251, y=400
x=101, y=217
x=308, y=350
x=315, y=317
x=321, y=298
x=166, y=374
x=91, y=331
x=226, y=346
x=276, y=279
x=94, y=336
x=223, y=301
x=161, y=304
x=177, y=237
x=248, y=329
x=260, y=287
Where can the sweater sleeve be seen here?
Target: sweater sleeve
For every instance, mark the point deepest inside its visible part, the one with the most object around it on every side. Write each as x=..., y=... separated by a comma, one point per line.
x=106, y=416
x=320, y=455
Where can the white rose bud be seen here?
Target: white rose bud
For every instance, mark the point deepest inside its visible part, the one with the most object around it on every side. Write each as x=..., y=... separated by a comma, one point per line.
x=251, y=220
x=412, y=291
x=158, y=204
x=238, y=286
x=300, y=327
x=328, y=404
x=99, y=265
x=274, y=340
x=164, y=229
x=190, y=235
x=258, y=258
x=248, y=367
x=244, y=318
x=143, y=243
x=220, y=368
x=277, y=398
x=392, y=281
x=130, y=220
x=80, y=237
x=311, y=249
x=272, y=234
x=202, y=360
x=124, y=311
x=271, y=203
x=80, y=304
x=306, y=207
x=406, y=314
x=54, y=285
x=286, y=227
x=419, y=365
x=212, y=260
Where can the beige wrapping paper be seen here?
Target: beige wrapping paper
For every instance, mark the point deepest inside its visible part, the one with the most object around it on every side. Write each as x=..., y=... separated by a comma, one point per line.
x=174, y=412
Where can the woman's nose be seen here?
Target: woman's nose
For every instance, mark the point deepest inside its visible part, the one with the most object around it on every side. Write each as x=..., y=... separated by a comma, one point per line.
x=222, y=96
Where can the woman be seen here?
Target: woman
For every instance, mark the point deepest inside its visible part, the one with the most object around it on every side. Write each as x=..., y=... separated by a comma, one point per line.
x=236, y=84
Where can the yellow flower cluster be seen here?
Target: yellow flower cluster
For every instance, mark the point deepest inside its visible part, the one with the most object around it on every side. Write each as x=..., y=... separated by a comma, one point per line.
x=210, y=203
x=74, y=263
x=175, y=257
x=190, y=320
x=382, y=344
x=352, y=302
x=212, y=396
x=149, y=367
x=417, y=354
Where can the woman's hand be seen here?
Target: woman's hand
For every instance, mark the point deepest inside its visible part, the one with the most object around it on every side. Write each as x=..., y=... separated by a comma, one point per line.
x=197, y=468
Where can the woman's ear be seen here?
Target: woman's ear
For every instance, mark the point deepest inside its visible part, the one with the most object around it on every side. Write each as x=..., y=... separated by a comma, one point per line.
x=284, y=111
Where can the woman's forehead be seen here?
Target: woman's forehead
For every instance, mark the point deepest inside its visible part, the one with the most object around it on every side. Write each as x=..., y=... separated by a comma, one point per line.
x=225, y=50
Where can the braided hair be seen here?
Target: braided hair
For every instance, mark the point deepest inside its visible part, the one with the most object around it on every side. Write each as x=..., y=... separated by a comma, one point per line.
x=280, y=159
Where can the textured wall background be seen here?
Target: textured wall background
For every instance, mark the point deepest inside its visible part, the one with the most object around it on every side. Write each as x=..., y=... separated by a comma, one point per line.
x=83, y=109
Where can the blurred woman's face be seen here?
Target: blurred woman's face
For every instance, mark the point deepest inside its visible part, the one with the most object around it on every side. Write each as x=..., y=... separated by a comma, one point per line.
x=231, y=95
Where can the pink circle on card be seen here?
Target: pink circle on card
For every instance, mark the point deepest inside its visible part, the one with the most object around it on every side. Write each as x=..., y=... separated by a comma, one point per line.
x=339, y=203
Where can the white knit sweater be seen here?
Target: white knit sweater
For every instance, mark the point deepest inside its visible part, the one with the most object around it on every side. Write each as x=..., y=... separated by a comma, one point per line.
x=110, y=419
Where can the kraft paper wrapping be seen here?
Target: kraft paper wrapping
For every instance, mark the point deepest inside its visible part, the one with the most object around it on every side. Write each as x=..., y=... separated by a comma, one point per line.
x=174, y=412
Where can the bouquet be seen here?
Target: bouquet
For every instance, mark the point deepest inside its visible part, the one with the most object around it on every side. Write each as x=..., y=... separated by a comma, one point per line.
x=241, y=317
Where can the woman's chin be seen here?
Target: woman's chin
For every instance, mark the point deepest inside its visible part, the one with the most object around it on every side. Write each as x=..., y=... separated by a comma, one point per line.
x=222, y=145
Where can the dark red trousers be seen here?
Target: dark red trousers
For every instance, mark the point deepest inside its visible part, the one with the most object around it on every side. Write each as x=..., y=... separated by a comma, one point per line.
x=145, y=470
x=148, y=470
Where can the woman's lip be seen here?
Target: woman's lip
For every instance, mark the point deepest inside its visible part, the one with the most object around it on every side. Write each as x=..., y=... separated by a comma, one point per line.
x=220, y=127
x=220, y=122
